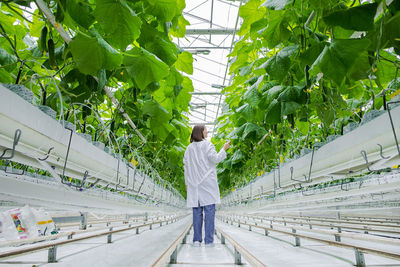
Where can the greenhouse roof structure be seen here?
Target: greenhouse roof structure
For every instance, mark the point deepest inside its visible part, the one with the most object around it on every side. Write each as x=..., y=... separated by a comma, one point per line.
x=210, y=37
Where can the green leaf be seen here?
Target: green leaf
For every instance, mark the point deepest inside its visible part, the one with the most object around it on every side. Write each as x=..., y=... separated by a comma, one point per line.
x=161, y=130
x=144, y=67
x=7, y=61
x=237, y=156
x=118, y=21
x=359, y=18
x=93, y=53
x=289, y=107
x=164, y=10
x=157, y=113
x=394, y=84
x=165, y=97
x=278, y=66
x=158, y=43
x=311, y=54
x=252, y=96
x=36, y=25
x=5, y=76
x=179, y=27
x=303, y=126
x=184, y=96
x=250, y=12
x=338, y=57
x=112, y=58
x=185, y=62
x=174, y=78
x=276, y=4
x=80, y=12
x=276, y=31
x=385, y=70
x=87, y=54
x=390, y=34
x=270, y=95
x=102, y=79
x=273, y=112
x=253, y=128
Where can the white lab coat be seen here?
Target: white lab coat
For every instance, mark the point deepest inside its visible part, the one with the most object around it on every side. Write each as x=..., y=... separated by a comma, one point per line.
x=201, y=173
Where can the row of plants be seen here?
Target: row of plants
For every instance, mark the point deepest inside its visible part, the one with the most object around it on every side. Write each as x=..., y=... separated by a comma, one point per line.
x=302, y=71
x=123, y=45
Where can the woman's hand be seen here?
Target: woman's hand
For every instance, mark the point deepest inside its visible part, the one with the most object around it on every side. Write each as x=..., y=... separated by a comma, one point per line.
x=227, y=145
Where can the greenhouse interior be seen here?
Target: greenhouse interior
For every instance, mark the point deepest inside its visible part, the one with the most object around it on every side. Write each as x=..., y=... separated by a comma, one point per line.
x=123, y=121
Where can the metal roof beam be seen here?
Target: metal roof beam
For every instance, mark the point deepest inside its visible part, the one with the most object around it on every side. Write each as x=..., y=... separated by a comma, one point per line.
x=204, y=47
x=204, y=123
x=206, y=93
x=210, y=31
x=202, y=19
x=204, y=104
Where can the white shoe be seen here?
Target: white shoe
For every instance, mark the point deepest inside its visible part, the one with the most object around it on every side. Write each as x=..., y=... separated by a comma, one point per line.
x=196, y=244
x=210, y=245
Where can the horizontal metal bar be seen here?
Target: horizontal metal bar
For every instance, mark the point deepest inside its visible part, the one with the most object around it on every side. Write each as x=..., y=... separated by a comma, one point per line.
x=204, y=47
x=204, y=123
x=67, y=219
x=210, y=31
x=206, y=93
x=202, y=19
x=204, y=104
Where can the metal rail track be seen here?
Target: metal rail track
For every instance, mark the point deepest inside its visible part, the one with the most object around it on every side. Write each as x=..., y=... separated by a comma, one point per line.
x=169, y=256
x=337, y=234
x=339, y=226
x=358, y=250
x=52, y=246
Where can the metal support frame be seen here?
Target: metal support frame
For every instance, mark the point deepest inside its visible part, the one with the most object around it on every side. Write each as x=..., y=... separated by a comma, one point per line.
x=174, y=256
x=367, y=164
x=17, y=136
x=210, y=31
x=222, y=239
x=360, y=261
x=83, y=224
x=308, y=180
x=12, y=172
x=109, y=237
x=338, y=238
x=296, y=238
x=52, y=255
x=79, y=187
x=238, y=257
x=47, y=154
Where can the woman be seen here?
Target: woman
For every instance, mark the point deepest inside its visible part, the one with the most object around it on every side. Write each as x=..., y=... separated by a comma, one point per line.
x=201, y=182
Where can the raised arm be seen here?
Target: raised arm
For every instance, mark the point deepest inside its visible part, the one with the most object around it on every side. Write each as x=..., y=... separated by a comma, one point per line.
x=212, y=154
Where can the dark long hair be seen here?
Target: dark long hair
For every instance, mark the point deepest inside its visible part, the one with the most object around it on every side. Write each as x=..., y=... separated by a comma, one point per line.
x=197, y=133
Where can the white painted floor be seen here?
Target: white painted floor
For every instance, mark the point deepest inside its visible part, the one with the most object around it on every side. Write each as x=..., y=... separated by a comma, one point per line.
x=220, y=255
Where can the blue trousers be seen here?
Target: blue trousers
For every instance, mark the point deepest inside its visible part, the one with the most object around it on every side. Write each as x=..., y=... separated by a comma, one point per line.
x=209, y=212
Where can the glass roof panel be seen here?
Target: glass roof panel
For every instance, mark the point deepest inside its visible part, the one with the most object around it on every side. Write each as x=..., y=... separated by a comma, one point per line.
x=209, y=38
